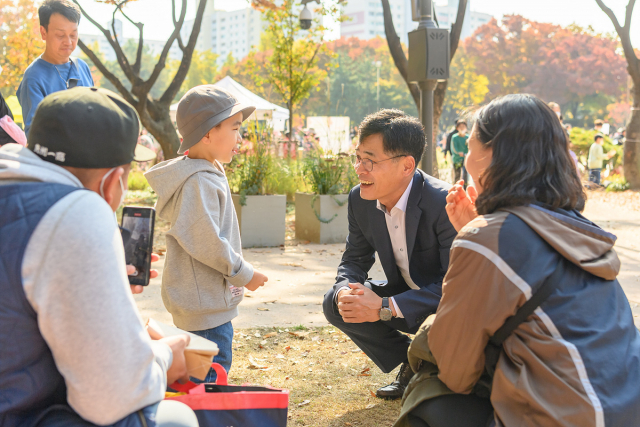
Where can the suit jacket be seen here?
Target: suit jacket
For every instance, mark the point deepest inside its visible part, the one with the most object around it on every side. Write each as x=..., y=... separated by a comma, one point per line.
x=429, y=237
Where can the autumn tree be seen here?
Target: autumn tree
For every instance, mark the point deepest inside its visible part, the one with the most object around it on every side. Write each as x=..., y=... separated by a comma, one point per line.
x=574, y=66
x=20, y=41
x=400, y=59
x=291, y=64
x=153, y=111
x=631, y=161
x=350, y=88
x=467, y=88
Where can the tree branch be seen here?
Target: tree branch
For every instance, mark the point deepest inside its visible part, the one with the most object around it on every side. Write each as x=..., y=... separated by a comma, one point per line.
x=173, y=16
x=610, y=14
x=140, y=26
x=395, y=48
x=107, y=74
x=625, y=39
x=187, y=54
x=629, y=12
x=456, y=29
x=165, y=51
x=120, y=56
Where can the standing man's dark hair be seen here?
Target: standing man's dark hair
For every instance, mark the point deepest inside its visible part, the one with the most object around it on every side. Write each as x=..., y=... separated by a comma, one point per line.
x=66, y=8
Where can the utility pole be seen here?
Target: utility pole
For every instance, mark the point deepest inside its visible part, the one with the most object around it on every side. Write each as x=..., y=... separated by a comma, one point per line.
x=428, y=63
x=378, y=64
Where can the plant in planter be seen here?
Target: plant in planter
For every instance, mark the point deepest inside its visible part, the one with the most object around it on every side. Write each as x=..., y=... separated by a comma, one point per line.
x=321, y=216
x=261, y=214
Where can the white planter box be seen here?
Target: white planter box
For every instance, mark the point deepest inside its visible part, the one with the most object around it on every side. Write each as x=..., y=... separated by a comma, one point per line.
x=261, y=220
x=309, y=227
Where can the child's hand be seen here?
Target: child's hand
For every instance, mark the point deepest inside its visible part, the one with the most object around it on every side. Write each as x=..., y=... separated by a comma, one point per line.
x=461, y=206
x=256, y=281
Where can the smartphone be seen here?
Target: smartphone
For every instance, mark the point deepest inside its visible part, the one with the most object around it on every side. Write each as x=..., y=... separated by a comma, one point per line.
x=137, y=236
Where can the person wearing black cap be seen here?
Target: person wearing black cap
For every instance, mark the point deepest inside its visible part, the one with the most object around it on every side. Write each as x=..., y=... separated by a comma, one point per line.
x=74, y=349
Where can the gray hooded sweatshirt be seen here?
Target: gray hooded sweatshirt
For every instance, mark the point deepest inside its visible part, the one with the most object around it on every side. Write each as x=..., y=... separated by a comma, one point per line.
x=75, y=279
x=204, y=272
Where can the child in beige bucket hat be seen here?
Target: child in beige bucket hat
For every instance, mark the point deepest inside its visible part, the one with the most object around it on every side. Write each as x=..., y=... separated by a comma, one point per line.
x=204, y=272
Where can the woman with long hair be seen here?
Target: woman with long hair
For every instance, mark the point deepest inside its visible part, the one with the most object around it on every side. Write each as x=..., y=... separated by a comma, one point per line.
x=575, y=361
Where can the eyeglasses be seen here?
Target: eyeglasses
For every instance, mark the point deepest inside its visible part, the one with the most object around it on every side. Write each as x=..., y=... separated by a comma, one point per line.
x=367, y=164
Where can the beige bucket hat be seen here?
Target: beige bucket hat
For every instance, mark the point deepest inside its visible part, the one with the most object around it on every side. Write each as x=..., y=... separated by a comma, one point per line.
x=204, y=107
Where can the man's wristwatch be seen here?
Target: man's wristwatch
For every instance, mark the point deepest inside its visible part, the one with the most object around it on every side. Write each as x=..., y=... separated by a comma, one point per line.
x=385, y=312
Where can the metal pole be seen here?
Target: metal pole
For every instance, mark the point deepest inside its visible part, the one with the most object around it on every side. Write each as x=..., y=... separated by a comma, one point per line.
x=426, y=18
x=426, y=117
x=378, y=87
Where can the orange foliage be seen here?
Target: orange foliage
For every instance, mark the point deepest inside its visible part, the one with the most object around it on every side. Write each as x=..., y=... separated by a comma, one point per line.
x=20, y=41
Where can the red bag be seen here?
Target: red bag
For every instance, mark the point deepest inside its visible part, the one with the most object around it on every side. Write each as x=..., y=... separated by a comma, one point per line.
x=221, y=404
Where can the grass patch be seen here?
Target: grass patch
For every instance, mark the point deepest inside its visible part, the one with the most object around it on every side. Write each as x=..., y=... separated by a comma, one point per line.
x=319, y=365
x=300, y=328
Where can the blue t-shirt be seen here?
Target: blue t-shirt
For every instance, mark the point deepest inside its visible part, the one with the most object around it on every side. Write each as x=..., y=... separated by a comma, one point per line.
x=43, y=78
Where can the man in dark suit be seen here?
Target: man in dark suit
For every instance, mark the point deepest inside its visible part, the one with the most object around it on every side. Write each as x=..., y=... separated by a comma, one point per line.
x=399, y=212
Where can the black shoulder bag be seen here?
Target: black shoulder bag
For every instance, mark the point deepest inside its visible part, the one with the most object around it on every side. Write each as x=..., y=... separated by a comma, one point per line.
x=494, y=347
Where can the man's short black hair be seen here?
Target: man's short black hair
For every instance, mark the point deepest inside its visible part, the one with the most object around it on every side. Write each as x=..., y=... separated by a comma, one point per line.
x=597, y=137
x=401, y=133
x=598, y=122
x=69, y=10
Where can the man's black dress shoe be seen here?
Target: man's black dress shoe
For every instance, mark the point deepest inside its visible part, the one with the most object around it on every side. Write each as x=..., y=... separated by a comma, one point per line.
x=395, y=390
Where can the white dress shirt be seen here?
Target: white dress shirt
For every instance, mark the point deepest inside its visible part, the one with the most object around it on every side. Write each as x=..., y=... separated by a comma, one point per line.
x=395, y=219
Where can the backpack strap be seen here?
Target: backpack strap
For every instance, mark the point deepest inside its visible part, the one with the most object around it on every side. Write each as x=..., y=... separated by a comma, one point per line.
x=494, y=347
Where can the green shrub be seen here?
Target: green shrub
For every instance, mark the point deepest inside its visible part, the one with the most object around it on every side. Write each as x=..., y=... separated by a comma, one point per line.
x=249, y=171
x=616, y=182
x=137, y=181
x=286, y=177
x=328, y=173
x=582, y=140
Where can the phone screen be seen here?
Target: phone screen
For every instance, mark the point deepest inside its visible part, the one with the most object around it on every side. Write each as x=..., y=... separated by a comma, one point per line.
x=137, y=236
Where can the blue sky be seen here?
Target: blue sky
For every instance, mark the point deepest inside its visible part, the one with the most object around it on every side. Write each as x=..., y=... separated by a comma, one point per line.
x=158, y=23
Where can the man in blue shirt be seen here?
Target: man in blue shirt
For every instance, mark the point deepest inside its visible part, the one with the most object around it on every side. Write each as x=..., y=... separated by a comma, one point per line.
x=54, y=70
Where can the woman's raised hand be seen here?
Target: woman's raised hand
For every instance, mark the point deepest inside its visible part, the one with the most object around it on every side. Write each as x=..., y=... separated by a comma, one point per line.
x=461, y=205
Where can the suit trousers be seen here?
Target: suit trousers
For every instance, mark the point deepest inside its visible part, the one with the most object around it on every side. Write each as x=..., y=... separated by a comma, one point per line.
x=381, y=341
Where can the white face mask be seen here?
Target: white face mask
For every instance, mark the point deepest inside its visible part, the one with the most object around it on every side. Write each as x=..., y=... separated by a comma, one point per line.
x=124, y=190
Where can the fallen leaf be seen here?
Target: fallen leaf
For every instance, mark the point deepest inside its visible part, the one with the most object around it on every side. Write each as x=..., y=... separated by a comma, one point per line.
x=288, y=348
x=307, y=251
x=263, y=309
x=248, y=295
x=304, y=403
x=365, y=370
x=253, y=364
x=297, y=334
x=271, y=334
x=372, y=393
x=364, y=375
x=291, y=264
x=371, y=406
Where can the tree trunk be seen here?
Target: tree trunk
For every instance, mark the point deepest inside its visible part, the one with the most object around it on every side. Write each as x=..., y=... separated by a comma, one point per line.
x=165, y=133
x=631, y=159
x=438, y=104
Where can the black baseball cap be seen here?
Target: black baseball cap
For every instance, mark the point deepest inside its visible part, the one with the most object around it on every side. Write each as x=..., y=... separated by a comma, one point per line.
x=87, y=127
